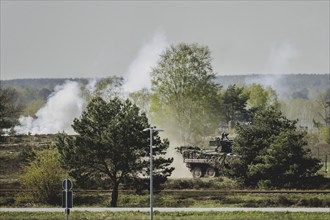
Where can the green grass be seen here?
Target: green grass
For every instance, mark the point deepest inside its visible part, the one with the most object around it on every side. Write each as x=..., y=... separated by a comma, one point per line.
x=188, y=199
x=166, y=216
x=202, y=199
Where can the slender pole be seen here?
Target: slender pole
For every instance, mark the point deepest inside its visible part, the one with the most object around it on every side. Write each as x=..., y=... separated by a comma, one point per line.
x=151, y=130
x=326, y=163
x=66, y=199
x=151, y=174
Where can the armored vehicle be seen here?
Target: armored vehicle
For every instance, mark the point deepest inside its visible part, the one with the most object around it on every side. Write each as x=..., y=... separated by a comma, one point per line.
x=207, y=162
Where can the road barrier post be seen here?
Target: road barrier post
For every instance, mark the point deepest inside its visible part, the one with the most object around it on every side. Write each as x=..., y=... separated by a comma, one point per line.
x=67, y=197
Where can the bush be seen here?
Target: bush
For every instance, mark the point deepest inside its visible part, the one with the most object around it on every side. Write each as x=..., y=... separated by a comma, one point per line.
x=42, y=179
x=204, y=183
x=27, y=154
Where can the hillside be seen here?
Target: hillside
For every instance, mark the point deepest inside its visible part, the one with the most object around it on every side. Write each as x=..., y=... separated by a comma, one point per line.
x=286, y=85
x=15, y=152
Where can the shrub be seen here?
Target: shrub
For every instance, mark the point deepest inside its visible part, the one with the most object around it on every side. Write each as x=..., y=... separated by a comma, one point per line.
x=27, y=154
x=42, y=179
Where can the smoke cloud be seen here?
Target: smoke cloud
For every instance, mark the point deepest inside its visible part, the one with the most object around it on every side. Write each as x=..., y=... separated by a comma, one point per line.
x=67, y=102
x=280, y=58
x=63, y=105
x=138, y=74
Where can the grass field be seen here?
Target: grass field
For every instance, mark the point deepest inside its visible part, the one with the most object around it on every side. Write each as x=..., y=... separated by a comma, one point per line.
x=166, y=216
x=209, y=199
x=184, y=198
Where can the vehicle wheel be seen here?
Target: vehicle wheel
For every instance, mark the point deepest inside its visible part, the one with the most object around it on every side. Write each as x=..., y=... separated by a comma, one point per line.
x=197, y=172
x=211, y=172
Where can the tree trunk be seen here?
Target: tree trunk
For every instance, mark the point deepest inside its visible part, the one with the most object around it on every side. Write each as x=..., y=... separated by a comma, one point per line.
x=114, y=195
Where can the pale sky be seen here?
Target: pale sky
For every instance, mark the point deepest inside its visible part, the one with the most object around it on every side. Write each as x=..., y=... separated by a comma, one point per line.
x=105, y=38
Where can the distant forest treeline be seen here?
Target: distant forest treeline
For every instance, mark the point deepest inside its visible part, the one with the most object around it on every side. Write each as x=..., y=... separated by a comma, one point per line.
x=293, y=81
x=38, y=83
x=287, y=85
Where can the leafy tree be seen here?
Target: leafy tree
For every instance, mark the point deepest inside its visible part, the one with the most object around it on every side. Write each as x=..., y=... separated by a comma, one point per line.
x=9, y=109
x=324, y=115
x=272, y=152
x=111, y=147
x=233, y=106
x=304, y=110
x=185, y=95
x=260, y=97
x=325, y=134
x=142, y=99
x=42, y=177
x=32, y=107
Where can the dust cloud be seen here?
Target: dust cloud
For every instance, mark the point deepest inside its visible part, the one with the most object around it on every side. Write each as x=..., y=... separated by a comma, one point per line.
x=180, y=171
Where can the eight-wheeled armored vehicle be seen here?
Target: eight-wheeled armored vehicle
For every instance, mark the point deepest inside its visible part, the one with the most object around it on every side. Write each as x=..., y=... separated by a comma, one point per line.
x=207, y=162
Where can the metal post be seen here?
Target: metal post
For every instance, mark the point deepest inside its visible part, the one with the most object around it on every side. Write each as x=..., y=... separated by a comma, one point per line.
x=151, y=175
x=151, y=130
x=326, y=163
x=66, y=200
x=66, y=195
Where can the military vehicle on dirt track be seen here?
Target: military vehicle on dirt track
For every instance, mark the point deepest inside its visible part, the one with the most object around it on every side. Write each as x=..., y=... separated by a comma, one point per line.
x=207, y=162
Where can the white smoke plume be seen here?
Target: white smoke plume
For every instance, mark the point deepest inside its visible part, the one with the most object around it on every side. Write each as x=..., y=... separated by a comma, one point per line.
x=63, y=105
x=280, y=58
x=67, y=102
x=138, y=75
